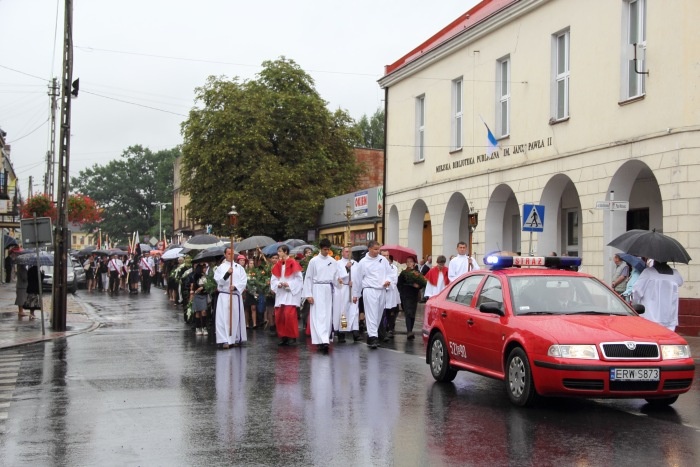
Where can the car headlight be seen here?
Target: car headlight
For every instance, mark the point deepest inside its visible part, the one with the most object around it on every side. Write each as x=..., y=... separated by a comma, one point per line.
x=671, y=352
x=587, y=352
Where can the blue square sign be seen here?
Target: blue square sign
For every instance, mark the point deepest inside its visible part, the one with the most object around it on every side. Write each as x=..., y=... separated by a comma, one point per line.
x=533, y=218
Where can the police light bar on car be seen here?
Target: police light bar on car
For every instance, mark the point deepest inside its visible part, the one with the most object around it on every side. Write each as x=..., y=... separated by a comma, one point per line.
x=554, y=262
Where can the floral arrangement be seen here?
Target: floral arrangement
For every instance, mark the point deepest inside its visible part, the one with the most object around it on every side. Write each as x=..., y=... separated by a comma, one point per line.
x=258, y=281
x=210, y=283
x=413, y=276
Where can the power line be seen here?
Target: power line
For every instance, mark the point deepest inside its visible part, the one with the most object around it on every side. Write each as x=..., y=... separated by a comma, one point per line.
x=23, y=73
x=24, y=136
x=132, y=103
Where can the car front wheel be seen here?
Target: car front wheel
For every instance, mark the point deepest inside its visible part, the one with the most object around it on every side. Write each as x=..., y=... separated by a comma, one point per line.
x=519, y=383
x=440, y=360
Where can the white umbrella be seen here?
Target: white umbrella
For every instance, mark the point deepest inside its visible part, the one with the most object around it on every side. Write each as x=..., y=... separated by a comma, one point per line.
x=172, y=254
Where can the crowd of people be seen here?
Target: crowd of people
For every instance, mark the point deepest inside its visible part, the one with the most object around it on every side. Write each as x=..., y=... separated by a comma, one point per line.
x=328, y=296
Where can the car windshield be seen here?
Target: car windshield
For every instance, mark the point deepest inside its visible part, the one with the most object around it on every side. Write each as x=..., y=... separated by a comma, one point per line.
x=564, y=295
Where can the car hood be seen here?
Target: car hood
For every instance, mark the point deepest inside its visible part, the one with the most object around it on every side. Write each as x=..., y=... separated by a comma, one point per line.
x=579, y=329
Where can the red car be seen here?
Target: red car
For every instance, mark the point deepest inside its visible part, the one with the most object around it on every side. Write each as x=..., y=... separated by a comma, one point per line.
x=550, y=331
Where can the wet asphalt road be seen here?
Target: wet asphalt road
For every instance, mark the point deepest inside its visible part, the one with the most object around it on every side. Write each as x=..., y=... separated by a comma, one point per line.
x=144, y=390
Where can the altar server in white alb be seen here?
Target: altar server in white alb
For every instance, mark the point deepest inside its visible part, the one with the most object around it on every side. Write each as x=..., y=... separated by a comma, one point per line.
x=231, y=280
x=372, y=278
x=322, y=276
x=346, y=314
x=461, y=263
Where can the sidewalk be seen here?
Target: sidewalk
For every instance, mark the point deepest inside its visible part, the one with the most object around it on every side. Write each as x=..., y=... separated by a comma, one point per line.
x=16, y=331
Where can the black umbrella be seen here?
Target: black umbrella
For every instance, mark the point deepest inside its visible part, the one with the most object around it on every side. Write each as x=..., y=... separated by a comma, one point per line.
x=651, y=244
x=117, y=251
x=210, y=254
x=251, y=243
x=86, y=251
x=29, y=259
x=202, y=242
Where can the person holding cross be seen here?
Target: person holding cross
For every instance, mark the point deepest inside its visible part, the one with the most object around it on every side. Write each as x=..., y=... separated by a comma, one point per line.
x=461, y=263
x=231, y=281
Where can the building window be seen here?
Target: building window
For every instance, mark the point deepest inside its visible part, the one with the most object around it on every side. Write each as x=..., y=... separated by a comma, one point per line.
x=457, y=86
x=503, y=97
x=420, y=128
x=82, y=240
x=560, y=84
x=634, y=32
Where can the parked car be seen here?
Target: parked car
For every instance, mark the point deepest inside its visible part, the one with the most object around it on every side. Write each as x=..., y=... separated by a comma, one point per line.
x=70, y=276
x=549, y=331
x=80, y=275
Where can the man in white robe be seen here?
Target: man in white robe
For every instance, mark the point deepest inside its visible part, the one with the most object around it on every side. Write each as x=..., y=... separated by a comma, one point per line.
x=657, y=289
x=371, y=281
x=461, y=263
x=321, y=278
x=343, y=307
x=231, y=281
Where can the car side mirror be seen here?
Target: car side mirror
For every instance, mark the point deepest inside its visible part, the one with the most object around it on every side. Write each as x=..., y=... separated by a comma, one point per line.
x=491, y=307
x=639, y=308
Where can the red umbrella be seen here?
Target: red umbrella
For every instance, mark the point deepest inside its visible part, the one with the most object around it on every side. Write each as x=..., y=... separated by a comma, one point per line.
x=400, y=253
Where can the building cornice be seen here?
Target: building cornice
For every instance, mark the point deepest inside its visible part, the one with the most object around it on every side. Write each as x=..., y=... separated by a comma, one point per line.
x=494, y=21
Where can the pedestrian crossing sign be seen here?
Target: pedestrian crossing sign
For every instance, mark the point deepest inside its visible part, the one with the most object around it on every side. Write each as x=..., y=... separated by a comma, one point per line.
x=533, y=218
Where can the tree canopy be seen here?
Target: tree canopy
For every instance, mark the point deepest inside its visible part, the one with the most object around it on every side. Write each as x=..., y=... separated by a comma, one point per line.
x=270, y=147
x=371, y=130
x=126, y=188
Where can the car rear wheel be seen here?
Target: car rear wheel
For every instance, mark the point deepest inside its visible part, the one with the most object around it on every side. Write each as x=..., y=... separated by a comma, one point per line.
x=440, y=360
x=662, y=401
x=519, y=383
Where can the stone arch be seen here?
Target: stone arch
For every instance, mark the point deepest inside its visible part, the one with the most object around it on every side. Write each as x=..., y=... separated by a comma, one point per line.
x=563, y=232
x=455, y=225
x=392, y=227
x=503, y=223
x=418, y=233
x=634, y=182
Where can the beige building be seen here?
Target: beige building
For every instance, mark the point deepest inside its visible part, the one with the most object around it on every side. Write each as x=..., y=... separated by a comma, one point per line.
x=588, y=101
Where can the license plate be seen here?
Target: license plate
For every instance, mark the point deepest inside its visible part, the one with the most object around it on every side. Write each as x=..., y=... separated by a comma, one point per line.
x=634, y=374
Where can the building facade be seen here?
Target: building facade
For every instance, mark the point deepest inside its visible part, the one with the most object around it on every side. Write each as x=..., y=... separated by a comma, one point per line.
x=586, y=102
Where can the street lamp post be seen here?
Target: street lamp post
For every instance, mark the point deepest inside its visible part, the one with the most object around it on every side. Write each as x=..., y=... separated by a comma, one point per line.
x=161, y=206
x=473, y=217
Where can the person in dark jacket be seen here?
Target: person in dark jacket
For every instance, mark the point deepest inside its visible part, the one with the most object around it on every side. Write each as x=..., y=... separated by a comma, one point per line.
x=34, y=281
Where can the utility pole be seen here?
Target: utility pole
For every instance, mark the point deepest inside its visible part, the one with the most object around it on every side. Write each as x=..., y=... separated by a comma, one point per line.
x=51, y=153
x=29, y=188
x=58, y=321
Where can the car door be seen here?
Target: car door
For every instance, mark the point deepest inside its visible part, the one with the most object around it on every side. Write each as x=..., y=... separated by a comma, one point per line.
x=484, y=330
x=455, y=314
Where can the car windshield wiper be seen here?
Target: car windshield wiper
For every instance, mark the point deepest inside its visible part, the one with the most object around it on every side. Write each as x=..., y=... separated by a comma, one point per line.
x=592, y=312
x=537, y=313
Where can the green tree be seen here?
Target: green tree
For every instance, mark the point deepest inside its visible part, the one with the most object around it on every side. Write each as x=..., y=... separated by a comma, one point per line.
x=371, y=130
x=126, y=188
x=270, y=147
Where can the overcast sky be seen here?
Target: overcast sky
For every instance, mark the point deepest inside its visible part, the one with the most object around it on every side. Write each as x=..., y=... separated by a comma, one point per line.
x=139, y=62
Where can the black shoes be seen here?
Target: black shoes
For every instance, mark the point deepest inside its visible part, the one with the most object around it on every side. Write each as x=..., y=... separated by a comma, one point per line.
x=323, y=348
x=284, y=341
x=373, y=342
x=341, y=338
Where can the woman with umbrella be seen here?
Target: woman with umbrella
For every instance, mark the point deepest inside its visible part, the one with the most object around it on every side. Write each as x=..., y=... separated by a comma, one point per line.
x=34, y=281
x=21, y=289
